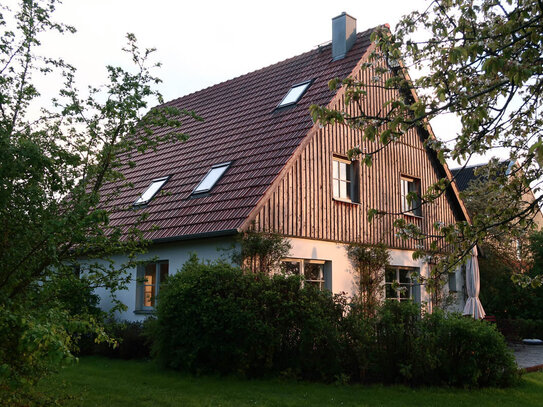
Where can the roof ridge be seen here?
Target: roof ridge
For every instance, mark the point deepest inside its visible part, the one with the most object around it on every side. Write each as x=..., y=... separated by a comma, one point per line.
x=479, y=165
x=317, y=48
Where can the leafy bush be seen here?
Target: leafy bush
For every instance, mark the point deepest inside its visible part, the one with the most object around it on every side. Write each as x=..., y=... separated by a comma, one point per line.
x=459, y=351
x=400, y=346
x=213, y=318
x=130, y=341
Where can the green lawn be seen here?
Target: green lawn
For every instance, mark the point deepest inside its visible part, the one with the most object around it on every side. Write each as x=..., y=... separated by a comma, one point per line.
x=105, y=382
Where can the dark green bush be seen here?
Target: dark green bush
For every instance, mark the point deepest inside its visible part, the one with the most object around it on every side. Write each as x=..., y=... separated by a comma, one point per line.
x=130, y=337
x=212, y=318
x=400, y=346
x=459, y=351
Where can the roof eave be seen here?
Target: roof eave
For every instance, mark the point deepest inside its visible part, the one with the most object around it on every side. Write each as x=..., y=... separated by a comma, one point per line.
x=195, y=236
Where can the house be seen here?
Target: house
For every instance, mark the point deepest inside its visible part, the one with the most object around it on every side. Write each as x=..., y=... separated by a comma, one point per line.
x=476, y=180
x=467, y=176
x=259, y=159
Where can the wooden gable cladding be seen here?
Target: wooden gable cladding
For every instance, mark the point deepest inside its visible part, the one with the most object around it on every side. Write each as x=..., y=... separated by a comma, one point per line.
x=301, y=204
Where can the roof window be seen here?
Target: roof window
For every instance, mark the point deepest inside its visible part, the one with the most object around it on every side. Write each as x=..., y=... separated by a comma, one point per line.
x=294, y=94
x=151, y=191
x=211, y=178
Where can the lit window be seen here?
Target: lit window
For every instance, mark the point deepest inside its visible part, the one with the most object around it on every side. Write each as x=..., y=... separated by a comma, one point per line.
x=151, y=191
x=211, y=178
x=345, y=179
x=411, y=202
x=294, y=94
x=150, y=278
x=401, y=285
x=312, y=270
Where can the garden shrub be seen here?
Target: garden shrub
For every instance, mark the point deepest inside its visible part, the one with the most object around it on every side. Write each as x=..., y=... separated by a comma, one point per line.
x=460, y=351
x=213, y=318
x=132, y=343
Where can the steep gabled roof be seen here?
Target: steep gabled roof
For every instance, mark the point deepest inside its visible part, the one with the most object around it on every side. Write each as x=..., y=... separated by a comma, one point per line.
x=241, y=125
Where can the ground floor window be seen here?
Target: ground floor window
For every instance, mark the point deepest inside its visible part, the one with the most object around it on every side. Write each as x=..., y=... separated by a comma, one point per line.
x=401, y=283
x=150, y=278
x=314, y=271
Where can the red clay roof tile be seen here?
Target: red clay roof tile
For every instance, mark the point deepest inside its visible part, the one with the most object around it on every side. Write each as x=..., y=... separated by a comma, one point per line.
x=240, y=125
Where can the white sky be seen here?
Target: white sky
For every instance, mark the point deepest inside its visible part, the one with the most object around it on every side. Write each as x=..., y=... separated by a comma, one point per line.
x=202, y=43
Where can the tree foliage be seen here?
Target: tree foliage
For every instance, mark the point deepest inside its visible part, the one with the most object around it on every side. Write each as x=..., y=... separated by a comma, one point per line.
x=260, y=252
x=479, y=60
x=53, y=165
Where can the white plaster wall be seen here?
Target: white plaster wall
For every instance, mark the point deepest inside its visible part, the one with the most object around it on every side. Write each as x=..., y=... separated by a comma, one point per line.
x=342, y=272
x=342, y=278
x=177, y=253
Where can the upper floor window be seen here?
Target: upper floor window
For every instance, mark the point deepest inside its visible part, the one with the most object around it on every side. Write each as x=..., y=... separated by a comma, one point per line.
x=211, y=178
x=314, y=271
x=401, y=284
x=345, y=179
x=294, y=94
x=411, y=202
x=151, y=191
x=150, y=278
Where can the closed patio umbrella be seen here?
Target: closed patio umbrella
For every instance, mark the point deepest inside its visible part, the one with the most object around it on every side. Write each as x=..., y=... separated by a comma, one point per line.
x=473, y=304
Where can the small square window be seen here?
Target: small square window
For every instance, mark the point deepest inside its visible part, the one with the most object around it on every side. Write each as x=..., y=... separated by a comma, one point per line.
x=211, y=178
x=410, y=190
x=345, y=179
x=151, y=276
x=294, y=94
x=151, y=191
x=400, y=284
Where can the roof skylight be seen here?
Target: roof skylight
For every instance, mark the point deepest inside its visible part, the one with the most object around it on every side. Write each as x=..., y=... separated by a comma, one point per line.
x=294, y=94
x=151, y=191
x=211, y=178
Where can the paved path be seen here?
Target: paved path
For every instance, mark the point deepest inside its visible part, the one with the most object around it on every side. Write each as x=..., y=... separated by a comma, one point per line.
x=528, y=355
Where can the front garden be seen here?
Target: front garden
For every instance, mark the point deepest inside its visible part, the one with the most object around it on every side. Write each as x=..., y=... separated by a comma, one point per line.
x=98, y=381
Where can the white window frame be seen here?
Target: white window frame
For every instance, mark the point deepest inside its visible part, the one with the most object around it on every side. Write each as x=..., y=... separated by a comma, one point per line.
x=141, y=284
x=320, y=282
x=154, y=188
x=410, y=287
x=288, y=100
x=411, y=184
x=350, y=179
x=222, y=167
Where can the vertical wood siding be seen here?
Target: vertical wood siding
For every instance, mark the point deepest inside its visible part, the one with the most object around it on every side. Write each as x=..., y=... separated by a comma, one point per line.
x=302, y=205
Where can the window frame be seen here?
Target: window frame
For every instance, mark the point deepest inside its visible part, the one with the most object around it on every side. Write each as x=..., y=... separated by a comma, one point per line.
x=322, y=282
x=197, y=192
x=307, y=84
x=410, y=184
x=352, y=179
x=162, y=180
x=411, y=286
x=141, y=284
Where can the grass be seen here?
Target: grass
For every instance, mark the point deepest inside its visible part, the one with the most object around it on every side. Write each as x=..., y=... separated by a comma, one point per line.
x=105, y=382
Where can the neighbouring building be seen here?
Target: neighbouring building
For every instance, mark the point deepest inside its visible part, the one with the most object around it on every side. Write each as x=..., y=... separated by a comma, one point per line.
x=259, y=159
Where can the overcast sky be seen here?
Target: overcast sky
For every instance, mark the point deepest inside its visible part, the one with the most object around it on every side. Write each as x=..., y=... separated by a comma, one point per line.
x=202, y=43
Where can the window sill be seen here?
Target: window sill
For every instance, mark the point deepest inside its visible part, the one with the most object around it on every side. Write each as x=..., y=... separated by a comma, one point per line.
x=347, y=201
x=412, y=215
x=144, y=311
